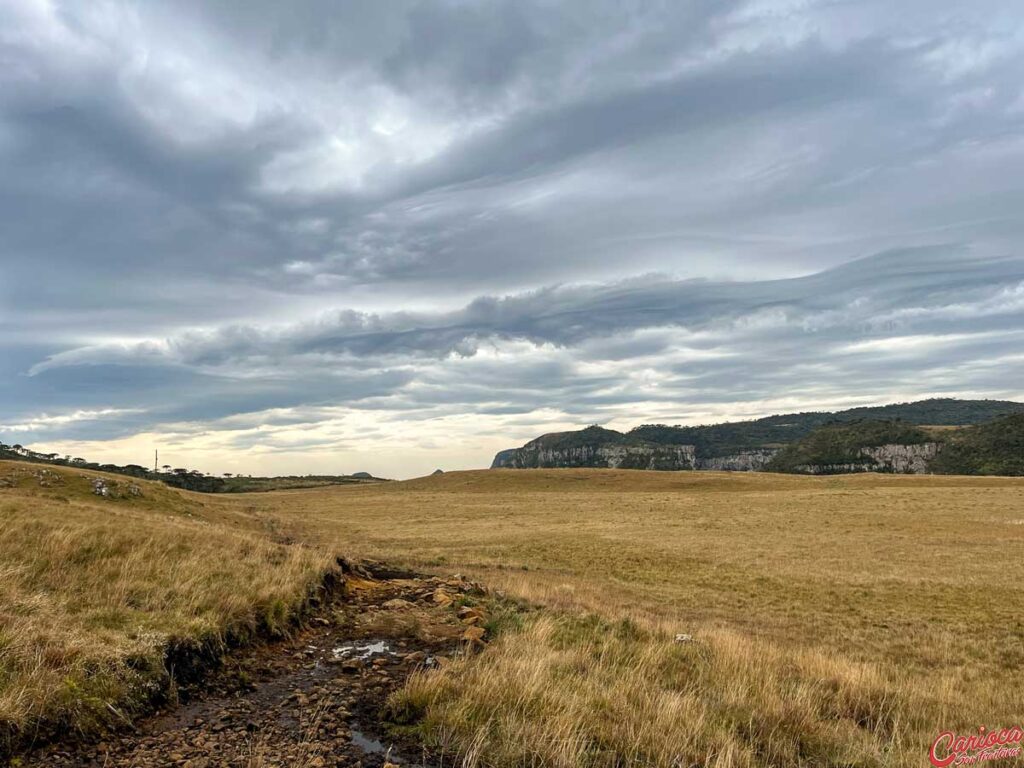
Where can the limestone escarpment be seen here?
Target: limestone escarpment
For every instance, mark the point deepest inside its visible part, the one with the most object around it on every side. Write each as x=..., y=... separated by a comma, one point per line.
x=743, y=461
x=941, y=436
x=611, y=456
x=903, y=459
x=892, y=458
x=605, y=448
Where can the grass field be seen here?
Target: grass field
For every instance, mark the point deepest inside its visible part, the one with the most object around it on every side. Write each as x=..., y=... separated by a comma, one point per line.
x=93, y=588
x=836, y=621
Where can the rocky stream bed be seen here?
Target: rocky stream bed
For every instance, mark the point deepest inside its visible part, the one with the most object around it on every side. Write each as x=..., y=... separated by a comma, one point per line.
x=312, y=701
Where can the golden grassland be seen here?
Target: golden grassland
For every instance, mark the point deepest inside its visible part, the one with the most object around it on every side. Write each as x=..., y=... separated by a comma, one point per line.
x=836, y=621
x=93, y=589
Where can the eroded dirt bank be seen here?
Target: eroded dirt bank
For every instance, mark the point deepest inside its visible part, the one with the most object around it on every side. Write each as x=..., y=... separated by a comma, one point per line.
x=312, y=701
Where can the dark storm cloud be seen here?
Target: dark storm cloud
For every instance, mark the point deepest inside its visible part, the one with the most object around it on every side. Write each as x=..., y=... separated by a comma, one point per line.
x=212, y=209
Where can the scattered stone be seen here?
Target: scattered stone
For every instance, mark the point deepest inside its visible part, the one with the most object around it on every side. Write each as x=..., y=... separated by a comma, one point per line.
x=474, y=635
x=110, y=489
x=469, y=615
x=317, y=694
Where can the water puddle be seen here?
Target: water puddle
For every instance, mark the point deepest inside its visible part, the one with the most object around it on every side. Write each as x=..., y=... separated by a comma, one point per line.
x=365, y=743
x=362, y=652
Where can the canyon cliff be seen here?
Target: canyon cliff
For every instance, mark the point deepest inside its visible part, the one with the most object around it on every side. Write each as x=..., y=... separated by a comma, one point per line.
x=931, y=436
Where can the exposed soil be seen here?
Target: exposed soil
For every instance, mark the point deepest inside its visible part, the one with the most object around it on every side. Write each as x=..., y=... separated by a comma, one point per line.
x=312, y=701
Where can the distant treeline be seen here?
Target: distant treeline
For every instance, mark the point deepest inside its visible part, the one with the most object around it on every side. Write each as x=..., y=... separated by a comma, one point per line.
x=187, y=479
x=777, y=431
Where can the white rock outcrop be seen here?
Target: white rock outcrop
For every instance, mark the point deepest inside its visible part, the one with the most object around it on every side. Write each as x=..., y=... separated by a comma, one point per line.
x=744, y=461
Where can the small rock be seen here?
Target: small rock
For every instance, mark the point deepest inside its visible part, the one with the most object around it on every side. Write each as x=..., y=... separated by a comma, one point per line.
x=474, y=635
x=397, y=604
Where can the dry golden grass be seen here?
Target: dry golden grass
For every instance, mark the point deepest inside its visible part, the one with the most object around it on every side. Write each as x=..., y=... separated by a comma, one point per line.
x=92, y=590
x=837, y=621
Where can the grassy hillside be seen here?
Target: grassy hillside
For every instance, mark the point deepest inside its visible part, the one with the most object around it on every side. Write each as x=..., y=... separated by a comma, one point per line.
x=835, y=621
x=94, y=589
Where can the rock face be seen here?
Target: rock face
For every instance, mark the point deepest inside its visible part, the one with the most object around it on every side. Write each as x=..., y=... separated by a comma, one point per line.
x=893, y=458
x=835, y=448
x=536, y=455
x=608, y=450
x=505, y=458
x=903, y=459
x=664, y=457
x=744, y=461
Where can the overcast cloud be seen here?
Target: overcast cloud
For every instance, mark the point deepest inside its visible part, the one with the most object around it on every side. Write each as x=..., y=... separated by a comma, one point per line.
x=319, y=236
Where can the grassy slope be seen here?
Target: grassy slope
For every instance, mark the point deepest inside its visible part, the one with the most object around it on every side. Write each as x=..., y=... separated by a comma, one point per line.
x=93, y=589
x=839, y=621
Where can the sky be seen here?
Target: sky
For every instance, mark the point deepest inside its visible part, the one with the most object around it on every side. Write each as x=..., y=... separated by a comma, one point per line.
x=323, y=237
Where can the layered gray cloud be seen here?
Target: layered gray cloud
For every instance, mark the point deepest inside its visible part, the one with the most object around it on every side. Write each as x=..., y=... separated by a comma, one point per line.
x=218, y=218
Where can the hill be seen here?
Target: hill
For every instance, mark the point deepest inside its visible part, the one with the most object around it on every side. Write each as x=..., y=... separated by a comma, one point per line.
x=756, y=444
x=996, y=448
x=188, y=479
x=859, y=446
x=772, y=431
x=103, y=576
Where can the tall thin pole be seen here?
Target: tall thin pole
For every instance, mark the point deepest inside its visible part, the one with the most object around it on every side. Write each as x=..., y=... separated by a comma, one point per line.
x=156, y=461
